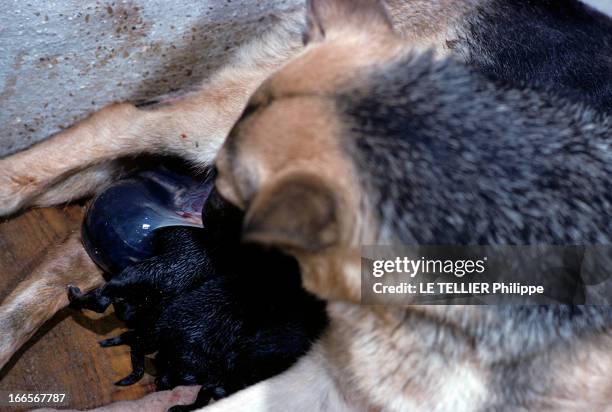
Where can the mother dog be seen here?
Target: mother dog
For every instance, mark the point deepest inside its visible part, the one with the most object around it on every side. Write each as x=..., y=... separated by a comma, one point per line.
x=324, y=159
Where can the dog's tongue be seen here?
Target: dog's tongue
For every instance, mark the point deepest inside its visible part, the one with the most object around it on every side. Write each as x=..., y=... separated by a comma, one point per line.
x=121, y=222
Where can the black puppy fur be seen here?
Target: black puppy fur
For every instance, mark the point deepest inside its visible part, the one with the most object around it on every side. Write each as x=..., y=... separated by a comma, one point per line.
x=560, y=46
x=219, y=313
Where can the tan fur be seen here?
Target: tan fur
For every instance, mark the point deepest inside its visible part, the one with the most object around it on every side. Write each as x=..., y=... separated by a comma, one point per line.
x=79, y=185
x=367, y=362
x=43, y=293
x=312, y=149
x=429, y=21
x=583, y=381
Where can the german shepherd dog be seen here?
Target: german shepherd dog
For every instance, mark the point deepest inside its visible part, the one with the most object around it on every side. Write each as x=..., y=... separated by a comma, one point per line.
x=334, y=129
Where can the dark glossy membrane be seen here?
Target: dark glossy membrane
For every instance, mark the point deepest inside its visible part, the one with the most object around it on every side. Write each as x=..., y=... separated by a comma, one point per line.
x=121, y=222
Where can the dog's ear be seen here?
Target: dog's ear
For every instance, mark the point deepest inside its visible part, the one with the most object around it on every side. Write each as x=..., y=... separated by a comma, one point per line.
x=325, y=16
x=299, y=211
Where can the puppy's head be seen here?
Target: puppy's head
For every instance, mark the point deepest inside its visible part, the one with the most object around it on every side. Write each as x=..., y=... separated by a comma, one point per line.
x=287, y=161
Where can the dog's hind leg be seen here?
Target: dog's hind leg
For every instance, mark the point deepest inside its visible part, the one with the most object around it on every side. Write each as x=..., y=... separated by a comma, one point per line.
x=43, y=293
x=193, y=127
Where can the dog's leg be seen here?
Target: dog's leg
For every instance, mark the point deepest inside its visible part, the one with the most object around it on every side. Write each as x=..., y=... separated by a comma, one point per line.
x=43, y=293
x=80, y=185
x=193, y=127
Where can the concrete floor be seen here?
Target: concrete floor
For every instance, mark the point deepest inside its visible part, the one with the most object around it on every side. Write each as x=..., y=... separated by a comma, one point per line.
x=60, y=60
x=603, y=5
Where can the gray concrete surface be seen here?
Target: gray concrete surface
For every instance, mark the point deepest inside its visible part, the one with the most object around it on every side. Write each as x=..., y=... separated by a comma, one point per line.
x=602, y=5
x=60, y=60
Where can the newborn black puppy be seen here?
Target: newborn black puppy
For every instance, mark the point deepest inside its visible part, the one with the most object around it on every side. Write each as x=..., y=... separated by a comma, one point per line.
x=217, y=312
x=244, y=329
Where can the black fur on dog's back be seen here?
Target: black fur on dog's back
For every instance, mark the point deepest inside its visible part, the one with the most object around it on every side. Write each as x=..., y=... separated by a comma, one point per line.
x=452, y=158
x=562, y=46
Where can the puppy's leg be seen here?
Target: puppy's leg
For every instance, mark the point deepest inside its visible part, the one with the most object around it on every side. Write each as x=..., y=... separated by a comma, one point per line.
x=306, y=386
x=193, y=128
x=43, y=293
x=126, y=338
x=137, y=357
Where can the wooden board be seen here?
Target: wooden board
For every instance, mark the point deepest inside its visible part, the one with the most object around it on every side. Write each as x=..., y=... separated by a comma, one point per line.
x=64, y=356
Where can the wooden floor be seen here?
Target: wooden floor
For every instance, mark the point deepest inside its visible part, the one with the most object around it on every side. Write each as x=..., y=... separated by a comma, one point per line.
x=64, y=356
